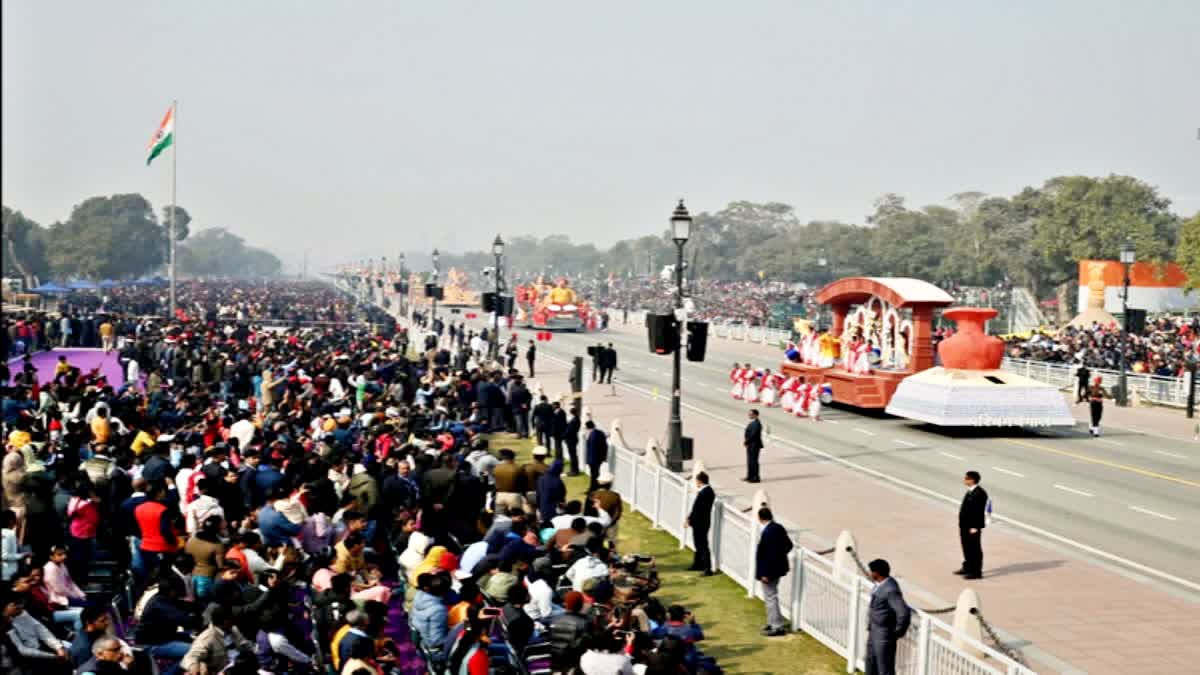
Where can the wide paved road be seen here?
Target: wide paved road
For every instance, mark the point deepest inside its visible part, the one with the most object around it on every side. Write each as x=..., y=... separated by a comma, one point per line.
x=1130, y=499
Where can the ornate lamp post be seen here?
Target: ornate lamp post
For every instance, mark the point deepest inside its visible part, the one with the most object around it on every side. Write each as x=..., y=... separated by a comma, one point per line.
x=681, y=229
x=497, y=303
x=1128, y=257
x=437, y=275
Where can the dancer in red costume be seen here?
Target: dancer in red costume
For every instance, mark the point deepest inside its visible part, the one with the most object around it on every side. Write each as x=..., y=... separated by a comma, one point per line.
x=735, y=379
x=770, y=388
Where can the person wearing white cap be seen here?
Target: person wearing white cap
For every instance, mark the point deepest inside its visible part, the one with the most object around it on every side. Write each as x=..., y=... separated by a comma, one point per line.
x=533, y=472
x=608, y=501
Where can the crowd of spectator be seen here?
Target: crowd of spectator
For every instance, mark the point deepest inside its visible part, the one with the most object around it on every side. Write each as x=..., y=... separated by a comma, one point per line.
x=1163, y=347
x=328, y=498
x=749, y=302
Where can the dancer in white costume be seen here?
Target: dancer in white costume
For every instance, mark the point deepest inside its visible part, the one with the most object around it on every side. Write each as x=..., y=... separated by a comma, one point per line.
x=814, y=403
x=787, y=396
x=735, y=378
x=770, y=388
x=750, y=392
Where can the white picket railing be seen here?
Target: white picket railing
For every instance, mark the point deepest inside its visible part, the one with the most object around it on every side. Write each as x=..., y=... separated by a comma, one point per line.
x=828, y=604
x=1172, y=391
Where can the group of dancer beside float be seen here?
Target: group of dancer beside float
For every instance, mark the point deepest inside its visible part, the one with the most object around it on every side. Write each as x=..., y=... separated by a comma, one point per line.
x=774, y=390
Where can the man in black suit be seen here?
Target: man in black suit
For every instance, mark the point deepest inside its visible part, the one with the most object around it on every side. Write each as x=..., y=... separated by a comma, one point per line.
x=543, y=417
x=771, y=565
x=888, y=620
x=971, y=516
x=530, y=356
x=595, y=452
x=754, y=445
x=608, y=364
x=571, y=438
x=699, y=520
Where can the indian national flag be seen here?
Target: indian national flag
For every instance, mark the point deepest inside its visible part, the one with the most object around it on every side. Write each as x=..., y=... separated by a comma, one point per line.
x=162, y=139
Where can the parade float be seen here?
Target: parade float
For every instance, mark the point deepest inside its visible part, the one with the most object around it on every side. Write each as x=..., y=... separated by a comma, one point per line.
x=970, y=389
x=544, y=307
x=456, y=293
x=881, y=333
x=879, y=354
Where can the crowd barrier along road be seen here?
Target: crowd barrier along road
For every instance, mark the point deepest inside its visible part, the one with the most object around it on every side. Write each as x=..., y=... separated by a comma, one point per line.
x=829, y=604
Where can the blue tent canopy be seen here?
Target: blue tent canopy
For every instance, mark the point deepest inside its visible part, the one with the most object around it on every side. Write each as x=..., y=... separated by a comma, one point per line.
x=82, y=285
x=49, y=288
x=108, y=283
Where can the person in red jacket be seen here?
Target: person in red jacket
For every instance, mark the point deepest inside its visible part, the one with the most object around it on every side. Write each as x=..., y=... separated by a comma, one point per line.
x=155, y=522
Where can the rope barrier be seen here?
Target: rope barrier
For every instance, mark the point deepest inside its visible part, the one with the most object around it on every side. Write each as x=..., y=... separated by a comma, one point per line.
x=991, y=633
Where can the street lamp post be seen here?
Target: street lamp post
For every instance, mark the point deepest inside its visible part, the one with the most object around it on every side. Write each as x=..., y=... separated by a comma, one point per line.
x=497, y=303
x=437, y=274
x=823, y=263
x=403, y=286
x=681, y=225
x=1128, y=257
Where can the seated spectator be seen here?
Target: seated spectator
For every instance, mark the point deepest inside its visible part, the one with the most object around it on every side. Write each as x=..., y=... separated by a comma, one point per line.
x=108, y=657
x=31, y=639
x=569, y=633
x=591, y=566
x=355, y=630
x=469, y=654
x=362, y=659
x=208, y=553
x=61, y=589
x=606, y=655
x=164, y=622
x=517, y=625
x=95, y=624
x=430, y=615
x=216, y=646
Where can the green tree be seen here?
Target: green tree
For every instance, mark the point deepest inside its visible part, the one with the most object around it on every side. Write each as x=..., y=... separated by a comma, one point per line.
x=182, y=220
x=107, y=237
x=217, y=252
x=1188, y=252
x=24, y=247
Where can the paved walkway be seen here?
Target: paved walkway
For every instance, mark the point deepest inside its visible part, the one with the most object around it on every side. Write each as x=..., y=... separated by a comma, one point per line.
x=1069, y=613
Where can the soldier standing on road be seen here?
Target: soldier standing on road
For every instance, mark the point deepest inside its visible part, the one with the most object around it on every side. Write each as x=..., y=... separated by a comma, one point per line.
x=597, y=354
x=888, y=620
x=1096, y=396
x=971, y=517
x=530, y=355
x=1082, y=373
x=608, y=364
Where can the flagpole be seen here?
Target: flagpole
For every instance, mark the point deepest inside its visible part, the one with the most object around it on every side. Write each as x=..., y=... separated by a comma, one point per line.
x=171, y=228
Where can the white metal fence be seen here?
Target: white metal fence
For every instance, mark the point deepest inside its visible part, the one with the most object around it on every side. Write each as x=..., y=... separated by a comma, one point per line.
x=757, y=334
x=1171, y=391
x=829, y=604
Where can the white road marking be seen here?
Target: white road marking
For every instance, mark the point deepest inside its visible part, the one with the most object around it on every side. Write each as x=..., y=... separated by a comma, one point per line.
x=1171, y=454
x=864, y=431
x=948, y=499
x=951, y=456
x=1011, y=473
x=1072, y=490
x=1116, y=443
x=1156, y=514
x=831, y=421
x=904, y=442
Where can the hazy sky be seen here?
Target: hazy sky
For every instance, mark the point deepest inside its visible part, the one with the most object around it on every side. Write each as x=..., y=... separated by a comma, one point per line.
x=364, y=128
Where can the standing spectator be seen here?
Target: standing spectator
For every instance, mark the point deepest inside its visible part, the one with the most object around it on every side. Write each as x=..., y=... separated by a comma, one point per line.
x=699, y=520
x=107, y=335
x=752, y=440
x=888, y=620
x=558, y=427
x=1081, y=374
x=771, y=565
x=571, y=439
x=530, y=356
x=596, y=452
x=543, y=419
x=971, y=516
x=158, y=539
x=208, y=553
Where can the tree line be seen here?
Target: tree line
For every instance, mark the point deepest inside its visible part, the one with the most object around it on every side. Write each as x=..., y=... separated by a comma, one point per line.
x=121, y=237
x=1034, y=238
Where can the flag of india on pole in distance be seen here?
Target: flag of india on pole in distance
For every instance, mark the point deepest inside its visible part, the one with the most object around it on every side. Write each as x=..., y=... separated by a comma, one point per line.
x=163, y=137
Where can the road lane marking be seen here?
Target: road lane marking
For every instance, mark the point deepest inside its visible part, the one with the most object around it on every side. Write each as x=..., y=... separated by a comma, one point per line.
x=904, y=442
x=934, y=494
x=864, y=431
x=951, y=456
x=1156, y=514
x=1104, y=462
x=1011, y=473
x=1072, y=490
x=1105, y=440
x=1171, y=454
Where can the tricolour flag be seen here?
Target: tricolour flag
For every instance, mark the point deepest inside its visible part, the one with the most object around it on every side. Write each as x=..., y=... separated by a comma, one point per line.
x=163, y=137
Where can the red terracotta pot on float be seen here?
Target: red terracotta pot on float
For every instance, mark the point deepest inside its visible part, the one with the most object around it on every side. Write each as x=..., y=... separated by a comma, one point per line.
x=970, y=348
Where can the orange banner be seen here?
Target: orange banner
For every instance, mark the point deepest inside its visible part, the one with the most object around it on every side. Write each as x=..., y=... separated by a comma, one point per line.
x=1143, y=274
